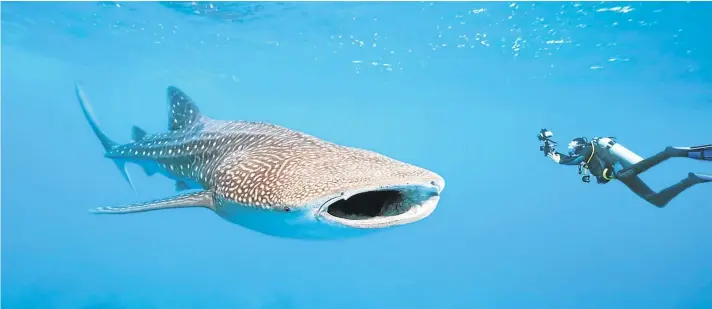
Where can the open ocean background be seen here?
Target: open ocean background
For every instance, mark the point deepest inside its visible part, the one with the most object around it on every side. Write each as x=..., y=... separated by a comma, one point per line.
x=460, y=88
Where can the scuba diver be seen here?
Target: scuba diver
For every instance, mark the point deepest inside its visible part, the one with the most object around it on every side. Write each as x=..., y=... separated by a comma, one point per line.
x=607, y=160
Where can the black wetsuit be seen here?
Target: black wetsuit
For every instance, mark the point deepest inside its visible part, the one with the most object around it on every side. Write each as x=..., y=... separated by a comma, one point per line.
x=596, y=162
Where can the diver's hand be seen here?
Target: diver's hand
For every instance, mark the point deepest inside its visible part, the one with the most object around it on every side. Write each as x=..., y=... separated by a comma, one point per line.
x=554, y=156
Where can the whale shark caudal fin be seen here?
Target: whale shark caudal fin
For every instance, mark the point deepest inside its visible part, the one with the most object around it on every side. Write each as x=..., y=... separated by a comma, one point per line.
x=198, y=199
x=183, y=111
x=103, y=138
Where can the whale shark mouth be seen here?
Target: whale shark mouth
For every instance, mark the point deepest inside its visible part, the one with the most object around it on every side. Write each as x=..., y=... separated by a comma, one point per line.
x=382, y=207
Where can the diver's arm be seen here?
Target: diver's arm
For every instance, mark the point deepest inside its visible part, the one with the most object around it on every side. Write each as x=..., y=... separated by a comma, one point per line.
x=561, y=158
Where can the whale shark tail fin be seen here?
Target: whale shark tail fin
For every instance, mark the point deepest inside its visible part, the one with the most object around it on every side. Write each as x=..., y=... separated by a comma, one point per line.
x=106, y=142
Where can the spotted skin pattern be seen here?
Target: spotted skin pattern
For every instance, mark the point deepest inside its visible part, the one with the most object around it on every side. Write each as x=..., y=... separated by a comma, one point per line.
x=256, y=164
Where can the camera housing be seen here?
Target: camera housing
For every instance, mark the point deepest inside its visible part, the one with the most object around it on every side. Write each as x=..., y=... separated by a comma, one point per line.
x=545, y=134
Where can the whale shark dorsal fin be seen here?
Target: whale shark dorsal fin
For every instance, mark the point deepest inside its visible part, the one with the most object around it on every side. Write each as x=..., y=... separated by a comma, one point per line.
x=198, y=199
x=183, y=111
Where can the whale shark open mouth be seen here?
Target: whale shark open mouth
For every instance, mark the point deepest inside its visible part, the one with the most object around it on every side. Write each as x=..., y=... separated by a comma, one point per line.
x=382, y=207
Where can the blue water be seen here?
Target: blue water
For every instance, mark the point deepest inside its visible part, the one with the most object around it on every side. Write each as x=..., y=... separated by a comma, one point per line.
x=457, y=88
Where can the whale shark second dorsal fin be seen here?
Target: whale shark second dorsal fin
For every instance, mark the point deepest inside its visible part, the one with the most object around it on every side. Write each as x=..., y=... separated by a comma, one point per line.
x=183, y=111
x=137, y=134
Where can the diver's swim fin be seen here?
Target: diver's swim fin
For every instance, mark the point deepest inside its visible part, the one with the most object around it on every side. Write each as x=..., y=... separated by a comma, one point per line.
x=699, y=178
x=703, y=152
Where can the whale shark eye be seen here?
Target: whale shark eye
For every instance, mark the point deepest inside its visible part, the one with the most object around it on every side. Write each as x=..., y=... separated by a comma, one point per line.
x=287, y=209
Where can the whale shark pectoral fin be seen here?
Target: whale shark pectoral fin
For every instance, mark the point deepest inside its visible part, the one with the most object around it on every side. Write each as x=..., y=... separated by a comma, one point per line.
x=198, y=199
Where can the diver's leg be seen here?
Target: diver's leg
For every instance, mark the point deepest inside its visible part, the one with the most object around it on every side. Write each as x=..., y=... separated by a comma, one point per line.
x=662, y=198
x=656, y=159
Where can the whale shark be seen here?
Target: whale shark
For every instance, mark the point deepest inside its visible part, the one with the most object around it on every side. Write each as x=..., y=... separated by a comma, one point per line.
x=268, y=178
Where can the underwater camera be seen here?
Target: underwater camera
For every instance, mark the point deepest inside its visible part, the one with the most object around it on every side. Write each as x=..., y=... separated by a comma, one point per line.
x=545, y=135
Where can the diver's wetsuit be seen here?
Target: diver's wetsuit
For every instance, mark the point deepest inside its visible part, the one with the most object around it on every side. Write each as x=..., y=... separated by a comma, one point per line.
x=600, y=163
